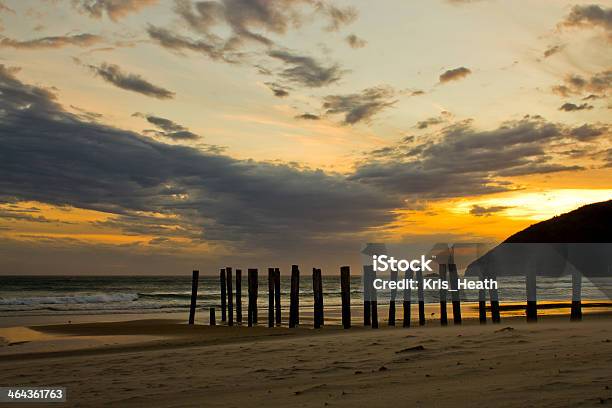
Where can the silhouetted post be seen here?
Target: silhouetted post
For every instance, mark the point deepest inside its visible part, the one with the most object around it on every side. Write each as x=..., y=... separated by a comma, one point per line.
x=277, y=295
x=576, y=313
x=532, y=305
x=454, y=278
x=443, y=296
x=494, y=299
x=421, y=295
x=482, y=306
x=392, y=301
x=317, y=290
x=367, y=287
x=212, y=320
x=407, y=298
x=345, y=287
x=230, y=296
x=253, y=289
x=195, y=276
x=294, y=302
x=223, y=294
x=270, y=297
x=374, y=299
x=239, y=296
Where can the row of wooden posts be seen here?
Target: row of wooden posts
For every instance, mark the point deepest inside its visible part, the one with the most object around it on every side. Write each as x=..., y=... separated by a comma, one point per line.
x=370, y=311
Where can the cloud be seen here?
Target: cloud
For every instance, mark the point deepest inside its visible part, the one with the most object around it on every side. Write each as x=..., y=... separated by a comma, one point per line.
x=167, y=128
x=308, y=116
x=132, y=82
x=575, y=84
x=114, y=9
x=355, y=42
x=589, y=16
x=76, y=40
x=552, y=50
x=480, y=211
x=338, y=17
x=210, y=47
x=437, y=120
x=571, y=107
x=454, y=74
x=462, y=161
x=5, y=9
x=417, y=92
x=51, y=156
x=360, y=107
x=306, y=71
x=589, y=132
x=278, y=90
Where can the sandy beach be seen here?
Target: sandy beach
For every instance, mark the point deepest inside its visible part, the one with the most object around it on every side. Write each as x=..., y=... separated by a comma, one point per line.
x=164, y=362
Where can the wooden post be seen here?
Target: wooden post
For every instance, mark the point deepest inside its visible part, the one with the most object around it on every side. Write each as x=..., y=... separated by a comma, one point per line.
x=392, y=301
x=421, y=295
x=230, y=296
x=367, y=287
x=253, y=288
x=223, y=295
x=576, y=313
x=494, y=300
x=374, y=300
x=345, y=287
x=270, y=297
x=212, y=320
x=532, y=305
x=443, y=296
x=407, y=298
x=294, y=301
x=194, y=295
x=317, y=290
x=277, y=295
x=239, y=296
x=482, y=306
x=455, y=296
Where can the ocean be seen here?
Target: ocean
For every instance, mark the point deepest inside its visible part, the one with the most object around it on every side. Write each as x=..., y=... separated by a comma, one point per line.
x=78, y=295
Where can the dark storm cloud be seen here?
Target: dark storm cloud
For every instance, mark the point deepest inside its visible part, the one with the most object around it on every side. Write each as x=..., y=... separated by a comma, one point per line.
x=111, y=73
x=278, y=89
x=461, y=161
x=168, y=128
x=480, y=211
x=574, y=84
x=355, y=42
x=306, y=71
x=454, y=74
x=77, y=40
x=571, y=107
x=114, y=9
x=589, y=16
x=308, y=116
x=359, y=107
x=52, y=156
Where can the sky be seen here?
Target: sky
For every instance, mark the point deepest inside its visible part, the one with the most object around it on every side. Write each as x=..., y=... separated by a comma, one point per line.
x=154, y=137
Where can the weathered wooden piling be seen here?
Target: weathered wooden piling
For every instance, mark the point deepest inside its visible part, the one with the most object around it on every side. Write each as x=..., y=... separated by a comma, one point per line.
x=455, y=296
x=195, y=276
x=230, y=296
x=443, y=295
x=392, y=300
x=277, y=295
x=374, y=300
x=421, y=295
x=482, y=306
x=253, y=286
x=494, y=300
x=212, y=320
x=223, y=295
x=576, y=313
x=317, y=289
x=239, y=296
x=271, y=297
x=367, y=287
x=345, y=287
x=532, y=304
x=407, y=298
x=294, y=300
